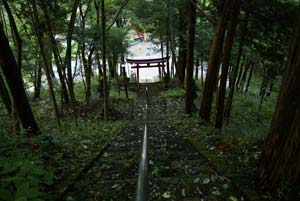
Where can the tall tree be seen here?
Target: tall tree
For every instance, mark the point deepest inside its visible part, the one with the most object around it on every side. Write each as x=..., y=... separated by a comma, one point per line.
x=168, y=46
x=15, y=33
x=182, y=44
x=213, y=63
x=233, y=19
x=68, y=57
x=281, y=154
x=190, y=58
x=249, y=78
x=56, y=53
x=14, y=80
x=4, y=94
x=247, y=66
x=236, y=67
x=98, y=44
x=105, y=90
x=171, y=35
x=41, y=38
x=38, y=77
x=86, y=61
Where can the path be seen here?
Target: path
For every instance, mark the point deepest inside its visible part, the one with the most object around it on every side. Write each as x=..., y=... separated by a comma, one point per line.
x=177, y=170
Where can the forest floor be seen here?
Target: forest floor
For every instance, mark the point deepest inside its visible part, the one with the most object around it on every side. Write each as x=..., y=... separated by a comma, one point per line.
x=182, y=166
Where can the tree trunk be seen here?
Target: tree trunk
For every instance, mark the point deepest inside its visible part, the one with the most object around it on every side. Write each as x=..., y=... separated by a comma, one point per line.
x=168, y=45
x=100, y=71
x=57, y=58
x=68, y=57
x=105, y=90
x=38, y=78
x=197, y=68
x=271, y=85
x=15, y=33
x=202, y=52
x=3, y=20
x=87, y=70
x=235, y=11
x=87, y=63
x=40, y=38
x=244, y=76
x=213, y=64
x=82, y=72
x=182, y=54
x=125, y=82
x=263, y=88
x=249, y=78
x=18, y=46
x=111, y=67
x=115, y=64
x=233, y=77
x=77, y=57
x=162, y=55
x=88, y=77
x=173, y=51
x=264, y=82
x=281, y=154
x=15, y=83
x=202, y=72
x=271, y=77
x=238, y=81
x=4, y=94
x=190, y=58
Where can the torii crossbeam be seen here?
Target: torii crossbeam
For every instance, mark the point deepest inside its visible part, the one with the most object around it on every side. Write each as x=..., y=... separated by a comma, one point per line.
x=149, y=63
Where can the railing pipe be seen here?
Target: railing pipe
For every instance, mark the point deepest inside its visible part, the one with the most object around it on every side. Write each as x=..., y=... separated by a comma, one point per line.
x=142, y=190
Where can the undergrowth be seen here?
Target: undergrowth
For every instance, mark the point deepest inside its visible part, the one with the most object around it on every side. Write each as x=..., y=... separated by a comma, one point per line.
x=31, y=167
x=236, y=148
x=172, y=93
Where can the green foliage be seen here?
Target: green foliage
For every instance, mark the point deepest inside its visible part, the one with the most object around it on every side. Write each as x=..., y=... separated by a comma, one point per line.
x=178, y=92
x=115, y=94
x=117, y=41
x=245, y=131
x=23, y=175
x=236, y=148
x=39, y=162
x=270, y=29
x=21, y=178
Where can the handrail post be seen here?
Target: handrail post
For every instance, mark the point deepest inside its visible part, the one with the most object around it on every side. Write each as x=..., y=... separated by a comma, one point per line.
x=142, y=190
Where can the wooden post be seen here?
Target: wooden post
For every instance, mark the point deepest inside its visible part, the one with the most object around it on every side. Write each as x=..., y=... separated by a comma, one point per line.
x=125, y=82
x=159, y=71
x=163, y=69
x=137, y=73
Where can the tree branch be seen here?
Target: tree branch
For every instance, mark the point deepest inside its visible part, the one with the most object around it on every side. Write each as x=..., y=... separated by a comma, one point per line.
x=203, y=13
x=117, y=15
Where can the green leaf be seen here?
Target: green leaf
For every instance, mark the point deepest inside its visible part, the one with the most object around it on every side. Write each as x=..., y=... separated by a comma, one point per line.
x=23, y=198
x=232, y=198
x=38, y=171
x=6, y=195
x=22, y=189
x=34, y=181
x=8, y=168
x=48, y=178
x=174, y=180
x=167, y=195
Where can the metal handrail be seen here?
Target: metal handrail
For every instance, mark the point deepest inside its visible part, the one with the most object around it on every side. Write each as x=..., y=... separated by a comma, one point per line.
x=142, y=183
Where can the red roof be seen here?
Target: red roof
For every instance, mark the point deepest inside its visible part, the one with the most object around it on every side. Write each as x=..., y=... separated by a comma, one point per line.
x=138, y=34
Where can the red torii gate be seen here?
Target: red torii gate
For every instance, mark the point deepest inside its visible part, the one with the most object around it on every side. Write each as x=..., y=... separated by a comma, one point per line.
x=149, y=63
